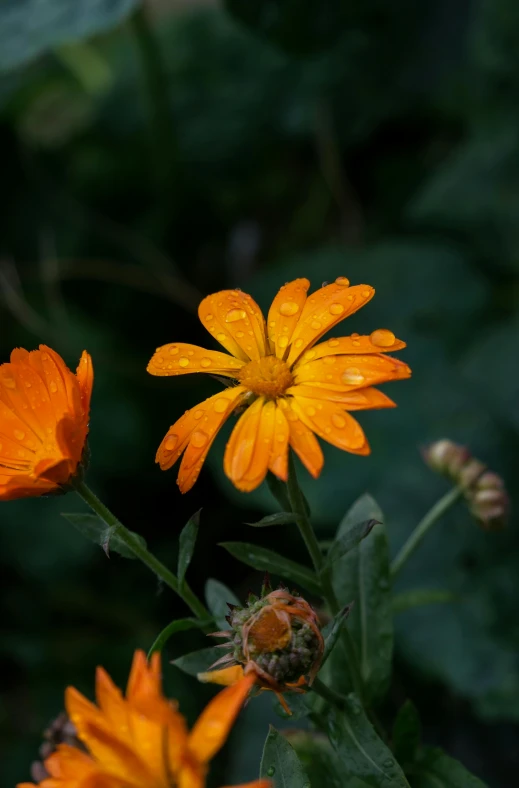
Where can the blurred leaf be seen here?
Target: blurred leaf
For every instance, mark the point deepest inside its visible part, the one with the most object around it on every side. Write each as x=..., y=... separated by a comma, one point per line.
x=31, y=27
x=435, y=768
x=198, y=661
x=417, y=597
x=407, y=733
x=180, y=625
x=348, y=539
x=218, y=596
x=280, y=518
x=362, y=576
x=332, y=631
x=318, y=759
x=362, y=753
x=268, y=561
x=186, y=543
x=94, y=529
x=281, y=763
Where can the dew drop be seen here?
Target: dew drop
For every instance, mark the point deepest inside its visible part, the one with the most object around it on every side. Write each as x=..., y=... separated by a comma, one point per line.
x=205, y=362
x=240, y=334
x=9, y=383
x=271, y=771
x=209, y=316
x=221, y=336
x=53, y=387
x=382, y=337
x=355, y=336
x=289, y=308
x=283, y=341
x=170, y=442
x=198, y=414
x=388, y=763
x=338, y=420
x=19, y=435
x=333, y=342
x=329, y=360
x=309, y=355
x=298, y=343
x=272, y=324
x=28, y=384
x=221, y=405
x=366, y=293
x=352, y=376
x=280, y=437
x=160, y=359
x=183, y=361
x=315, y=324
x=342, y=281
x=173, y=350
x=310, y=411
x=336, y=309
x=235, y=314
x=199, y=439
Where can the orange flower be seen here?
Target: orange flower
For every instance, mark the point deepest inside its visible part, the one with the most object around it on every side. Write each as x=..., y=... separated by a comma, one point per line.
x=291, y=387
x=141, y=741
x=44, y=411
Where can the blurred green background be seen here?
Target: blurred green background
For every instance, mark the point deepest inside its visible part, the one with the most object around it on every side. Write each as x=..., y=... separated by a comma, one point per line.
x=150, y=155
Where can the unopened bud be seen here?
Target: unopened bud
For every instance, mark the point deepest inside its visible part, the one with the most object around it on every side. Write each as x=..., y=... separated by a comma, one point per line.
x=452, y=460
x=489, y=502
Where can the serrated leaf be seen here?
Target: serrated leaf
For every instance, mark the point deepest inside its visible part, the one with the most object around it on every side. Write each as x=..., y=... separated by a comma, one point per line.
x=30, y=27
x=332, y=631
x=350, y=538
x=362, y=576
x=362, y=752
x=435, y=769
x=180, y=625
x=95, y=530
x=280, y=518
x=407, y=733
x=269, y=561
x=281, y=763
x=198, y=661
x=217, y=596
x=186, y=545
x=416, y=597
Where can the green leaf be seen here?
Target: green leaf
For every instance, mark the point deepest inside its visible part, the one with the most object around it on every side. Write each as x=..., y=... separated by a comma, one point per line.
x=318, y=759
x=407, y=733
x=269, y=561
x=218, y=596
x=360, y=749
x=280, y=518
x=350, y=538
x=198, y=661
x=30, y=27
x=280, y=762
x=362, y=576
x=435, y=769
x=416, y=597
x=332, y=631
x=186, y=544
x=180, y=625
x=95, y=530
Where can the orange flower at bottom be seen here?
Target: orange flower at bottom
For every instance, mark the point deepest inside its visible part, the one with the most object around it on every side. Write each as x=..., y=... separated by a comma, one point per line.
x=44, y=411
x=142, y=741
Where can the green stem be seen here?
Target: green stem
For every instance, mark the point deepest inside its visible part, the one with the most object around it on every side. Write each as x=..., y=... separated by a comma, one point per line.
x=156, y=566
x=329, y=695
x=298, y=506
x=423, y=528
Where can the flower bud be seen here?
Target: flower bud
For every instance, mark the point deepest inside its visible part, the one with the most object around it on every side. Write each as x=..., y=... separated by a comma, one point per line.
x=489, y=502
x=454, y=461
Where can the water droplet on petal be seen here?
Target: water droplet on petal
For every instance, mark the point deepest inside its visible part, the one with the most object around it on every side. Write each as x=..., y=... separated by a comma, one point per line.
x=366, y=293
x=9, y=383
x=209, y=316
x=19, y=435
x=239, y=334
x=336, y=309
x=53, y=387
x=198, y=414
x=173, y=350
x=338, y=420
x=316, y=325
x=160, y=359
x=199, y=439
x=220, y=405
x=289, y=308
x=329, y=359
x=309, y=355
x=283, y=341
x=235, y=314
x=343, y=281
x=28, y=384
x=382, y=337
x=205, y=362
x=310, y=411
x=298, y=343
x=170, y=442
x=352, y=376
x=183, y=361
x=221, y=337
x=333, y=342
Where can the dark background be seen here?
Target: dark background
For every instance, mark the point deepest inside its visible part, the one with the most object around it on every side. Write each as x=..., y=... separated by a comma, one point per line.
x=150, y=158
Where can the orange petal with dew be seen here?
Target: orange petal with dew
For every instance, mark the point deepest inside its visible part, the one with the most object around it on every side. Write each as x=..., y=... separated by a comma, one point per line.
x=182, y=359
x=323, y=310
x=278, y=460
x=359, y=399
x=284, y=314
x=85, y=377
x=331, y=423
x=380, y=341
x=213, y=726
x=303, y=441
x=241, y=446
x=236, y=321
x=257, y=468
x=226, y=677
x=347, y=373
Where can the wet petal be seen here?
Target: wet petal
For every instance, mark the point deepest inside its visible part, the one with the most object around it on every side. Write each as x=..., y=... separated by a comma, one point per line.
x=323, y=310
x=213, y=726
x=85, y=377
x=354, y=344
x=236, y=321
x=278, y=461
x=284, y=315
x=331, y=423
x=359, y=399
x=182, y=359
x=303, y=441
x=242, y=443
x=261, y=451
x=350, y=372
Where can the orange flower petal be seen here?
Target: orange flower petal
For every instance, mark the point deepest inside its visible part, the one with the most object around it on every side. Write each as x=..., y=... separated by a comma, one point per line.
x=85, y=378
x=213, y=726
x=331, y=423
x=347, y=373
x=226, y=677
x=179, y=434
x=323, y=310
x=303, y=441
x=254, y=438
x=354, y=344
x=190, y=777
x=69, y=763
x=359, y=399
x=182, y=359
x=119, y=759
x=254, y=784
x=284, y=314
x=242, y=443
x=236, y=321
x=278, y=461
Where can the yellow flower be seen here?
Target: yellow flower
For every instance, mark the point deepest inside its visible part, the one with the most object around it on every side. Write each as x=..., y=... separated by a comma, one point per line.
x=291, y=387
x=142, y=741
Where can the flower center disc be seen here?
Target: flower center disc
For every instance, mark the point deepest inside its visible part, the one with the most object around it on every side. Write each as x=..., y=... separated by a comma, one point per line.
x=269, y=376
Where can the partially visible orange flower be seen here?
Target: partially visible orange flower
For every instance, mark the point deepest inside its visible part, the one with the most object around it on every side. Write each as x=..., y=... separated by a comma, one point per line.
x=142, y=741
x=291, y=388
x=44, y=411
